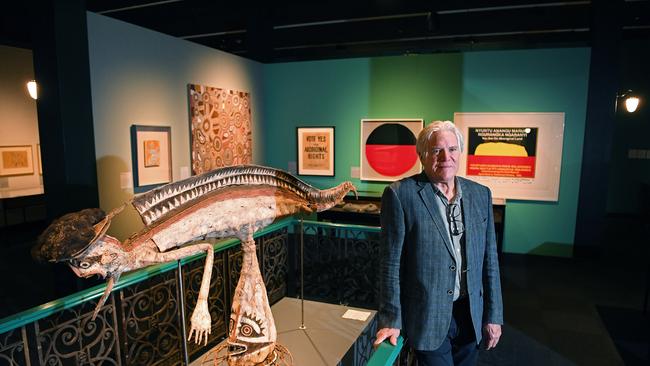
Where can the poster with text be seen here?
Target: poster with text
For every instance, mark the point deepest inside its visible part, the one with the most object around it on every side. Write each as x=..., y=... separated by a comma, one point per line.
x=501, y=151
x=517, y=155
x=316, y=151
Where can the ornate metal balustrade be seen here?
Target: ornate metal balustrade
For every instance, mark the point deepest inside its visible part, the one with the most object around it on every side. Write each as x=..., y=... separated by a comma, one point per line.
x=341, y=264
x=140, y=323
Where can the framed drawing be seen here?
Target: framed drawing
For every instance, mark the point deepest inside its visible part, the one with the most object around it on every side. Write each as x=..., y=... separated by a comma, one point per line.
x=388, y=149
x=151, y=156
x=220, y=128
x=517, y=155
x=16, y=160
x=315, y=151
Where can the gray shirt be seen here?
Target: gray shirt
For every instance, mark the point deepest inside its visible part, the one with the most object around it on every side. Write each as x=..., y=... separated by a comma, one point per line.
x=452, y=214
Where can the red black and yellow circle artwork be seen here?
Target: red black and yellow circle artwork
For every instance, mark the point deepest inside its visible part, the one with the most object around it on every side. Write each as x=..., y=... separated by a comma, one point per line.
x=388, y=149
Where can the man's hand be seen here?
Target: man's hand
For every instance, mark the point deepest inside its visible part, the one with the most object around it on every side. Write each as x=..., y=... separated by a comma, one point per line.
x=492, y=333
x=383, y=333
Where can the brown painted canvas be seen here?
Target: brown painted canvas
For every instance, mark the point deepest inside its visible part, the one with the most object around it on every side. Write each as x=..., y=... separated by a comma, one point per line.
x=220, y=126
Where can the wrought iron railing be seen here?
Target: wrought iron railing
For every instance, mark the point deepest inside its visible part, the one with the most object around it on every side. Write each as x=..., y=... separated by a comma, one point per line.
x=140, y=324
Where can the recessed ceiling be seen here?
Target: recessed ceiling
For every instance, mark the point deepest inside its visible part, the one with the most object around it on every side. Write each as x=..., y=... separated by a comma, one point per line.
x=280, y=31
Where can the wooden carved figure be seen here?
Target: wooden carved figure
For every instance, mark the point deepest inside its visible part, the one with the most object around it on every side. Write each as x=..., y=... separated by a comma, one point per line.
x=228, y=202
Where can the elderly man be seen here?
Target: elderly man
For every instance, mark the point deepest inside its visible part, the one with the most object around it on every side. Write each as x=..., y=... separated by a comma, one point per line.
x=439, y=279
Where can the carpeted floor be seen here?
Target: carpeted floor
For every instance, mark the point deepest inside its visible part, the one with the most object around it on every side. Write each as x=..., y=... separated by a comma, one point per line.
x=571, y=312
x=630, y=332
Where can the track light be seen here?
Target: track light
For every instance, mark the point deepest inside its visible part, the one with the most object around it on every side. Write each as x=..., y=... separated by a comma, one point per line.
x=631, y=99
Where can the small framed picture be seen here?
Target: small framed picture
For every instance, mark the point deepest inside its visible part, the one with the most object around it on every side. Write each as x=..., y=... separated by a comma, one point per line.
x=315, y=151
x=16, y=160
x=151, y=156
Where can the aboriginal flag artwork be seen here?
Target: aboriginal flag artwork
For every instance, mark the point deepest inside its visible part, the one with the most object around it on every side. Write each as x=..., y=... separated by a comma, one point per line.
x=388, y=149
x=220, y=126
x=502, y=152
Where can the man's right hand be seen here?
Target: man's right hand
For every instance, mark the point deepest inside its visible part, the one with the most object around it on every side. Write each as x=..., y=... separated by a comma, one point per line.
x=383, y=333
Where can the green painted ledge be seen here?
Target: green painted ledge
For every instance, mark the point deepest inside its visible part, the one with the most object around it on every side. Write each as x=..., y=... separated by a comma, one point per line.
x=331, y=225
x=386, y=353
x=39, y=312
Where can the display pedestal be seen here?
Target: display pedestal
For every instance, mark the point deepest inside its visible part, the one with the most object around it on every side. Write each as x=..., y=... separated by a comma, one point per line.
x=327, y=338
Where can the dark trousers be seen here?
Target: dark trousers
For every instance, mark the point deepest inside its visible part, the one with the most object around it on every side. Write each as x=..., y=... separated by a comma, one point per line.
x=459, y=348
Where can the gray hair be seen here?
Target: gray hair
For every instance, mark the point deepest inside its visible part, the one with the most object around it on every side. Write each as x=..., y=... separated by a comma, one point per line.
x=422, y=144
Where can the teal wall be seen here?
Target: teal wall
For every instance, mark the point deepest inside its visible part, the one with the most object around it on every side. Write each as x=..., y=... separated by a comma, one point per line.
x=341, y=92
x=553, y=80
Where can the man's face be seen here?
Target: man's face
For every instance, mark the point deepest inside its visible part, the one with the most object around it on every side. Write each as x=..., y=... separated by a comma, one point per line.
x=441, y=162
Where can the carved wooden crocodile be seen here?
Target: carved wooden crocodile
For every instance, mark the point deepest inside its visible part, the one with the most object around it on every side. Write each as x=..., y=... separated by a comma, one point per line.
x=228, y=202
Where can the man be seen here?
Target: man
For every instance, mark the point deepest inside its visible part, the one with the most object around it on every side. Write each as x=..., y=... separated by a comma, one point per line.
x=439, y=279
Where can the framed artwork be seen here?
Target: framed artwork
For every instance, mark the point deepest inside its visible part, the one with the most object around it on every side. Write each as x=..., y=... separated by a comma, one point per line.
x=151, y=156
x=388, y=149
x=220, y=128
x=517, y=155
x=315, y=151
x=16, y=160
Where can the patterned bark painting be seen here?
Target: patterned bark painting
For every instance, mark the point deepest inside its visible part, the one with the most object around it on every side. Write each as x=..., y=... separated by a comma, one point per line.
x=220, y=128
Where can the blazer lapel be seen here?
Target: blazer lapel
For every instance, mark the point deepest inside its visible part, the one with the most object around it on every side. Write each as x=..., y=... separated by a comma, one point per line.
x=428, y=196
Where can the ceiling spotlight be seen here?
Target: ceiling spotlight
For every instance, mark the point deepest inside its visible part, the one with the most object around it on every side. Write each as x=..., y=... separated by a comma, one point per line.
x=32, y=89
x=631, y=101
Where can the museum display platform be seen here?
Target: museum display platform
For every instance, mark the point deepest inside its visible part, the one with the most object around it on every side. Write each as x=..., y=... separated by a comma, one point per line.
x=329, y=339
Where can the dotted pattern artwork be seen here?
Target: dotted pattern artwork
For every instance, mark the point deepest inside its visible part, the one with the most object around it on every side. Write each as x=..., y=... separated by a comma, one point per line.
x=220, y=126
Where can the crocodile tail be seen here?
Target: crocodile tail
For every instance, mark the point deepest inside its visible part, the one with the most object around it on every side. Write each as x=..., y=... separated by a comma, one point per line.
x=328, y=198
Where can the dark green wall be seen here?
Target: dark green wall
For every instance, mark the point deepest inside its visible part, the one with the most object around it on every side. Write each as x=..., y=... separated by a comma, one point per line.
x=341, y=92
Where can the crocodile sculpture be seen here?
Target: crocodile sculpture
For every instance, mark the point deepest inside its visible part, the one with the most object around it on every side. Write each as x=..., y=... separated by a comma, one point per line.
x=229, y=202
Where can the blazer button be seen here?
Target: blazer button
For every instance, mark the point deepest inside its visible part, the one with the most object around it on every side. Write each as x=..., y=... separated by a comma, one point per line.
x=450, y=292
x=452, y=267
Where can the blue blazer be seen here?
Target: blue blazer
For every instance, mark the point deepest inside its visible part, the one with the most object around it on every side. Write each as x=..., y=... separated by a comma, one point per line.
x=417, y=264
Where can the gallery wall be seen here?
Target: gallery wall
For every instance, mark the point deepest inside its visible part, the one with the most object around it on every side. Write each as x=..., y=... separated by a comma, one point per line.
x=139, y=76
x=18, y=118
x=341, y=92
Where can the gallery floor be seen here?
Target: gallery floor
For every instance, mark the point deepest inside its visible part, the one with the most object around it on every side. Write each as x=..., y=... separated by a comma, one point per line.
x=573, y=311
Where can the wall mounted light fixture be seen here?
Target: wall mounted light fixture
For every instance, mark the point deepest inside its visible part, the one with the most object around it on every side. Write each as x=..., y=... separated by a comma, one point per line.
x=32, y=89
x=631, y=100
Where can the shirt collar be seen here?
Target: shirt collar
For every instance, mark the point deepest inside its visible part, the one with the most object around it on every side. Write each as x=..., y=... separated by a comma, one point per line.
x=459, y=191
